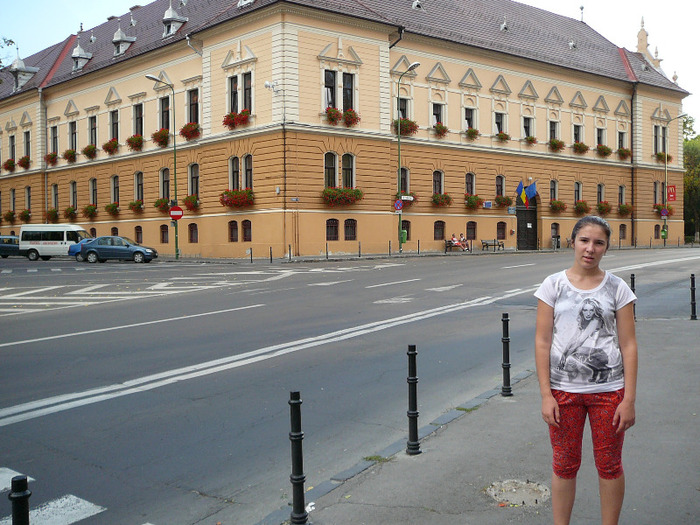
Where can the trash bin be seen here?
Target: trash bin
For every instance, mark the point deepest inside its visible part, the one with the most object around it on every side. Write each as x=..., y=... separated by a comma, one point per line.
x=404, y=236
x=556, y=242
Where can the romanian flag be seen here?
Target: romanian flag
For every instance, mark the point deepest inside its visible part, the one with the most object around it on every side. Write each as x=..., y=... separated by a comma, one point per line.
x=521, y=194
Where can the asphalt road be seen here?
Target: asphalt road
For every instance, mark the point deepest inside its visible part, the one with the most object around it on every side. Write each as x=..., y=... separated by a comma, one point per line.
x=158, y=393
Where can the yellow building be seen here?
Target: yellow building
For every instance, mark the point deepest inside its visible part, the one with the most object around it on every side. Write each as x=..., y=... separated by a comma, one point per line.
x=497, y=93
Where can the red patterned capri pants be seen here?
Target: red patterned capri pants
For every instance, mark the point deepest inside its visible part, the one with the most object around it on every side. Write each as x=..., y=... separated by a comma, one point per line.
x=567, y=439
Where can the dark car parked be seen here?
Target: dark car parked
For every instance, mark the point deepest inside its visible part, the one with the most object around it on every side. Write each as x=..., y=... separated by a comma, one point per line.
x=9, y=245
x=74, y=249
x=102, y=248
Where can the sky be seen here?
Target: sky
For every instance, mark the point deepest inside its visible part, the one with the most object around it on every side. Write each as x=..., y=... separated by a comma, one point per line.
x=670, y=25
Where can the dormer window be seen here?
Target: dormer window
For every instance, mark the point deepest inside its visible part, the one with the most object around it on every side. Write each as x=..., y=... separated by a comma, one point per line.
x=80, y=57
x=21, y=73
x=121, y=41
x=172, y=21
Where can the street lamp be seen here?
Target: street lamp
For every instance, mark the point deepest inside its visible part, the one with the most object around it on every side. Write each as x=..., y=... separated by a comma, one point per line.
x=664, y=197
x=174, y=201
x=411, y=67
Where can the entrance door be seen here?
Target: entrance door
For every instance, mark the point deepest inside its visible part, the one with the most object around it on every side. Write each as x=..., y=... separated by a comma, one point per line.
x=527, y=225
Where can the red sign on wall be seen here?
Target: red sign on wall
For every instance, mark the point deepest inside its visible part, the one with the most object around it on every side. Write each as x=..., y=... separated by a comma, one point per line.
x=671, y=194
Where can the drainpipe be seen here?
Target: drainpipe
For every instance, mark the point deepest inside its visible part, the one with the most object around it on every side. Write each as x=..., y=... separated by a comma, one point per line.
x=401, y=29
x=42, y=148
x=633, y=170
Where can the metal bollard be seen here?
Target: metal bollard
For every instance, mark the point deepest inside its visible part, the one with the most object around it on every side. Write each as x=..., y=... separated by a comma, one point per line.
x=251, y=256
x=290, y=252
x=326, y=251
x=412, y=445
x=296, y=436
x=270, y=254
x=693, y=306
x=19, y=496
x=632, y=286
x=359, y=249
x=506, y=390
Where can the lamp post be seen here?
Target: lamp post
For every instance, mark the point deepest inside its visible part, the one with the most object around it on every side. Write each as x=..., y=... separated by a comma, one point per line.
x=411, y=67
x=664, y=197
x=174, y=201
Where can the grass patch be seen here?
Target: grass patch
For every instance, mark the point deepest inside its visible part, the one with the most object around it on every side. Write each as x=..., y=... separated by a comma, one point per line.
x=467, y=410
x=377, y=459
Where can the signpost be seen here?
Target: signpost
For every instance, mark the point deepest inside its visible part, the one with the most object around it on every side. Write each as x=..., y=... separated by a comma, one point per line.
x=176, y=213
x=671, y=193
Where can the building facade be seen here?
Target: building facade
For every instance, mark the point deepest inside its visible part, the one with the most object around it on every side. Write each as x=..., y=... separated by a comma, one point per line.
x=503, y=94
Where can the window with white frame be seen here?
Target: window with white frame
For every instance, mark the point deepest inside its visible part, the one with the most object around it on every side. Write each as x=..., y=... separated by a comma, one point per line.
x=193, y=105
x=403, y=107
x=54, y=196
x=114, y=124
x=437, y=112
x=54, y=139
x=193, y=179
x=73, y=135
x=438, y=185
x=600, y=136
x=578, y=133
x=138, y=186
x=553, y=130
x=164, y=183
x=469, y=183
x=348, y=170
x=114, y=183
x=500, y=122
x=92, y=130
x=240, y=92
x=233, y=94
x=348, y=91
x=13, y=199
x=469, y=118
x=600, y=193
x=248, y=172
x=621, y=195
x=660, y=137
x=92, y=185
x=329, y=88
x=248, y=91
x=577, y=191
x=138, y=119
x=164, y=111
x=329, y=170
x=28, y=197
x=73, y=193
x=553, y=190
x=621, y=139
x=657, y=192
x=500, y=185
x=405, y=180
x=12, y=147
x=234, y=173
x=528, y=127
x=28, y=143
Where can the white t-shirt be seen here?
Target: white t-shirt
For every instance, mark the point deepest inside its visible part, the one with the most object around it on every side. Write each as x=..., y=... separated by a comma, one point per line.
x=585, y=355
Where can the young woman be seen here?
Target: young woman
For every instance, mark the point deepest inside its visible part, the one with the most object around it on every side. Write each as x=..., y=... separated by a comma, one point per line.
x=586, y=359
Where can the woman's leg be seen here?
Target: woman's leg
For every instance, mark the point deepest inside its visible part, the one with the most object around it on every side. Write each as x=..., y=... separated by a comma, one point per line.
x=612, y=493
x=563, y=496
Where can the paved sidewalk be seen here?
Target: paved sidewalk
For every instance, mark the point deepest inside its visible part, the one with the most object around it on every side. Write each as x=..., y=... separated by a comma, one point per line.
x=504, y=438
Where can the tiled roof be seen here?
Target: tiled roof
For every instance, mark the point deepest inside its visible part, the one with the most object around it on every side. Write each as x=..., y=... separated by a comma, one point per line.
x=532, y=34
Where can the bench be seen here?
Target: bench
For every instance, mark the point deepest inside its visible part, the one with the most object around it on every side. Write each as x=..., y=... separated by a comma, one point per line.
x=449, y=245
x=486, y=244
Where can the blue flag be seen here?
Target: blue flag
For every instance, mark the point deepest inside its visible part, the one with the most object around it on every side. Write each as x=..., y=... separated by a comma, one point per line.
x=521, y=193
x=531, y=190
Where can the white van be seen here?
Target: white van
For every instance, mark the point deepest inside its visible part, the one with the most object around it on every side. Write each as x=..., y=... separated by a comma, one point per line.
x=48, y=240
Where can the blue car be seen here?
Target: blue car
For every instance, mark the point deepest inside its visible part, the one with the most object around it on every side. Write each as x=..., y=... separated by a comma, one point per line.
x=74, y=249
x=111, y=247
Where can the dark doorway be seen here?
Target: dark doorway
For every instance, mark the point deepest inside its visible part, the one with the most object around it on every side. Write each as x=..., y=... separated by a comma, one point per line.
x=527, y=225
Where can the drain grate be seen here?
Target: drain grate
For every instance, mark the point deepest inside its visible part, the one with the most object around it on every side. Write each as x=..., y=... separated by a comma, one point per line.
x=513, y=492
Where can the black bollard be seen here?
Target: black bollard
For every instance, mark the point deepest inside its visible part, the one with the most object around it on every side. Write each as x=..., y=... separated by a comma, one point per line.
x=326, y=251
x=390, y=248
x=290, y=252
x=270, y=254
x=251, y=256
x=19, y=496
x=634, y=306
x=693, y=306
x=413, y=445
x=506, y=390
x=296, y=436
x=359, y=249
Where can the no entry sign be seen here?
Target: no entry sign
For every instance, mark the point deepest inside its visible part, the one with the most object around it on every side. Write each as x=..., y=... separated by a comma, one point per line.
x=176, y=213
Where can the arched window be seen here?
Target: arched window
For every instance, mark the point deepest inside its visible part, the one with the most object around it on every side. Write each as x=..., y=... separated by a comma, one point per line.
x=404, y=180
x=54, y=195
x=501, y=231
x=623, y=232
x=329, y=170
x=657, y=231
x=115, y=188
x=247, y=231
x=193, y=176
x=92, y=184
x=578, y=191
x=600, y=193
x=406, y=225
x=469, y=183
x=165, y=183
x=553, y=190
x=437, y=182
x=93, y=232
x=439, y=230
x=332, y=230
x=138, y=234
x=192, y=233
x=471, y=230
x=348, y=171
x=73, y=193
x=138, y=187
x=234, y=173
x=232, y=231
x=164, y=237
x=350, y=230
x=114, y=231
x=500, y=184
x=656, y=192
x=248, y=172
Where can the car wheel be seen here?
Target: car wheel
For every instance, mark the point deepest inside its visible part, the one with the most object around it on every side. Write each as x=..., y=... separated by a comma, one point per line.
x=79, y=257
x=33, y=255
x=45, y=257
x=91, y=257
x=138, y=257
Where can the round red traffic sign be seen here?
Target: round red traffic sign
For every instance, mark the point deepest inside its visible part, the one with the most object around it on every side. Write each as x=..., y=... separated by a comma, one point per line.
x=176, y=213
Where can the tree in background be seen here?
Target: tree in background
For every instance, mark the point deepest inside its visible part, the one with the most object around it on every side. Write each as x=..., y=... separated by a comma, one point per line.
x=691, y=187
x=688, y=131
x=4, y=42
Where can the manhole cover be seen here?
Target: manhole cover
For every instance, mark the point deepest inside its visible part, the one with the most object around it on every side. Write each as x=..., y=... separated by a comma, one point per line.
x=514, y=492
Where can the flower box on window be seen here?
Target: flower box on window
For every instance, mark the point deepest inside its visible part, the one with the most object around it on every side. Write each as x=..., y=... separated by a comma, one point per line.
x=25, y=215
x=350, y=118
x=472, y=202
x=580, y=148
x=441, y=199
x=341, y=196
x=9, y=165
x=69, y=156
x=659, y=208
x=70, y=213
x=233, y=120
x=161, y=137
x=663, y=157
x=237, y=198
x=440, y=130
x=51, y=158
x=603, y=207
x=624, y=153
x=112, y=208
x=24, y=162
x=111, y=146
x=191, y=202
x=136, y=206
x=407, y=126
x=503, y=201
x=406, y=202
x=582, y=207
x=556, y=145
x=531, y=140
x=502, y=137
x=90, y=151
x=190, y=131
x=162, y=205
x=135, y=142
x=52, y=215
x=89, y=211
x=333, y=115
x=603, y=150
x=557, y=206
x=472, y=133
x=9, y=216
x=624, y=209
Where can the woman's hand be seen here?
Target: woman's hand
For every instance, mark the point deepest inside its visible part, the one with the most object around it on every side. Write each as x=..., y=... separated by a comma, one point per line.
x=550, y=410
x=624, y=416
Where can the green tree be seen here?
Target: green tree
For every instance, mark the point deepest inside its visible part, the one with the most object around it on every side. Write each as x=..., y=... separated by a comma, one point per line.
x=4, y=42
x=688, y=131
x=691, y=187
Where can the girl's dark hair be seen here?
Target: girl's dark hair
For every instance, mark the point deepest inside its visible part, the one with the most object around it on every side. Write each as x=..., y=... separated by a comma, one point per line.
x=591, y=220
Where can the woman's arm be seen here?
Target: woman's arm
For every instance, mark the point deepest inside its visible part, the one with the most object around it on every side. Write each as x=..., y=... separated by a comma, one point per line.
x=625, y=414
x=543, y=344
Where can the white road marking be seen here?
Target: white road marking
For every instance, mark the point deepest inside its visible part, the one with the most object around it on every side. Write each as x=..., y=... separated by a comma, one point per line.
x=87, y=289
x=329, y=283
x=62, y=511
x=517, y=266
x=6, y=476
x=394, y=300
x=391, y=284
x=30, y=292
x=444, y=288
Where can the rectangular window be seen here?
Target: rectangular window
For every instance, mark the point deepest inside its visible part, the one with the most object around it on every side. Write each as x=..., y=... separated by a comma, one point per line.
x=528, y=127
x=552, y=190
x=660, y=139
x=165, y=113
x=620, y=194
x=553, y=129
x=577, y=191
x=437, y=113
x=248, y=172
x=469, y=121
x=404, y=180
x=73, y=193
x=12, y=199
x=54, y=139
x=600, y=136
x=347, y=170
x=664, y=138
x=194, y=179
x=93, y=192
x=621, y=139
x=138, y=186
x=233, y=94
x=247, y=231
x=329, y=88
x=138, y=119
x=28, y=197
x=403, y=108
x=600, y=193
x=92, y=130
x=656, y=192
x=329, y=170
x=73, y=135
x=437, y=182
x=28, y=143
x=348, y=91
x=165, y=184
x=193, y=105
x=500, y=120
x=248, y=91
x=54, y=196
x=12, y=150
x=114, y=124
x=350, y=230
x=578, y=133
